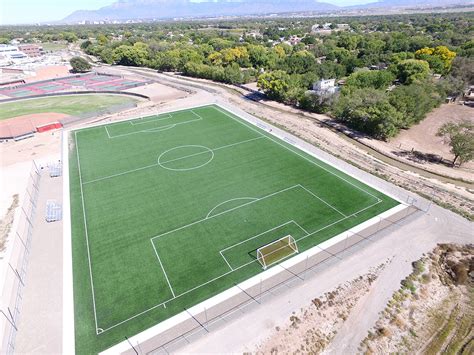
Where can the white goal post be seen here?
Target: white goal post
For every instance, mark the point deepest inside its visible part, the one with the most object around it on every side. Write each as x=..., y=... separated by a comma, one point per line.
x=277, y=250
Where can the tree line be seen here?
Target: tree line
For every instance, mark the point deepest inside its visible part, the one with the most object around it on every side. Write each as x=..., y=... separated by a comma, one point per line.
x=416, y=60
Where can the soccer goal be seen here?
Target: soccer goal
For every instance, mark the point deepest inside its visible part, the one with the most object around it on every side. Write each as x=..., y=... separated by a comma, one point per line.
x=277, y=250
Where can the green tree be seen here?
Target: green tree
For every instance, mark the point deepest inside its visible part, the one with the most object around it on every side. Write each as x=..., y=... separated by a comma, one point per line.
x=460, y=137
x=79, y=65
x=369, y=111
x=411, y=70
x=258, y=56
x=376, y=79
x=135, y=55
x=300, y=62
x=274, y=84
x=414, y=102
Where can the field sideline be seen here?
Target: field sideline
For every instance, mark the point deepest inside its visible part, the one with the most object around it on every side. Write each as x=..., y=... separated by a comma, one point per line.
x=169, y=210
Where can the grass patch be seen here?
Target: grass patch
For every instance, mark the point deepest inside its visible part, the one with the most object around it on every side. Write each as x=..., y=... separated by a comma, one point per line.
x=175, y=207
x=70, y=105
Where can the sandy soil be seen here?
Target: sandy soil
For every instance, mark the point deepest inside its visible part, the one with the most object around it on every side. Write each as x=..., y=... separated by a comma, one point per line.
x=433, y=311
x=422, y=137
x=27, y=123
x=312, y=328
x=159, y=93
x=35, y=148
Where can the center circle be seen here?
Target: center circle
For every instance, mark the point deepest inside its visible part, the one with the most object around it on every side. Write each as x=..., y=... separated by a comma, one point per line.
x=185, y=157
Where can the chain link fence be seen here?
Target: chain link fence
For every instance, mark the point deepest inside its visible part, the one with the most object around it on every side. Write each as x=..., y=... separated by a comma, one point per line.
x=243, y=298
x=16, y=262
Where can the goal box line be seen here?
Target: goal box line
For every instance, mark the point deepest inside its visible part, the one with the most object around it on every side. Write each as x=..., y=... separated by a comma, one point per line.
x=276, y=251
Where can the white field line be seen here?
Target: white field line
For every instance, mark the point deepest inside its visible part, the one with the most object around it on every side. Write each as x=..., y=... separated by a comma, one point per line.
x=223, y=257
x=172, y=160
x=223, y=212
x=320, y=199
x=233, y=209
x=156, y=129
x=210, y=150
x=138, y=117
x=212, y=280
x=86, y=233
x=106, y=130
x=302, y=156
x=255, y=236
x=120, y=174
x=162, y=268
x=228, y=272
x=304, y=230
x=149, y=119
x=232, y=199
x=159, y=129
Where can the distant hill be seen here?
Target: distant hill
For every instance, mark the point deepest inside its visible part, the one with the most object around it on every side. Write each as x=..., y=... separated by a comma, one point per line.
x=149, y=9
x=414, y=3
x=161, y=9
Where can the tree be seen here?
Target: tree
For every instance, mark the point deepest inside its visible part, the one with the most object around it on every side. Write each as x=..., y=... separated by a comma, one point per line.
x=317, y=102
x=79, y=65
x=460, y=137
x=414, y=101
x=135, y=55
x=274, y=84
x=300, y=62
x=439, y=58
x=369, y=111
x=258, y=55
x=377, y=79
x=463, y=69
x=411, y=70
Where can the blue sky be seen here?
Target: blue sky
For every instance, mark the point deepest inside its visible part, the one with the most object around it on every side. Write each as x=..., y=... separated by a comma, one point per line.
x=34, y=11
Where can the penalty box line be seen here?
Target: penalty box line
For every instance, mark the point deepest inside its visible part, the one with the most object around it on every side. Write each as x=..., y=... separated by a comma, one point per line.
x=156, y=129
x=149, y=119
x=228, y=272
x=231, y=210
x=291, y=150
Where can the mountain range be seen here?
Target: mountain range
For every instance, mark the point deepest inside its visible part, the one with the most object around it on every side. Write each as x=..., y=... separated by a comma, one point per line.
x=162, y=9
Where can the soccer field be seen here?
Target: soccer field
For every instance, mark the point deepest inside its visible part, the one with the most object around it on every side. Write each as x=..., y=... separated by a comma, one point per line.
x=170, y=210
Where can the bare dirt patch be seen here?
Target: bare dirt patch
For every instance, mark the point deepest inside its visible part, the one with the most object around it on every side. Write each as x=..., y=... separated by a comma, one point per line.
x=433, y=311
x=159, y=93
x=312, y=328
x=420, y=145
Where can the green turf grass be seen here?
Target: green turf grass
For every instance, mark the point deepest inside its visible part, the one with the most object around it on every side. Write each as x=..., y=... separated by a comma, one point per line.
x=70, y=105
x=175, y=207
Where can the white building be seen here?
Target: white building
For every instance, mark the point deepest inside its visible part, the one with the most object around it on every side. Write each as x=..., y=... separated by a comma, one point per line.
x=325, y=86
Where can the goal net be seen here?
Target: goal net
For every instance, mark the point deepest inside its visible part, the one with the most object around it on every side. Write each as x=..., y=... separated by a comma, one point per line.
x=277, y=250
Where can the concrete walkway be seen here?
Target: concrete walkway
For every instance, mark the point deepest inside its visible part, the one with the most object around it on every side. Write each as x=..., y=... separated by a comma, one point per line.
x=40, y=325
